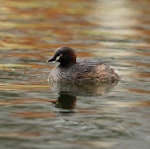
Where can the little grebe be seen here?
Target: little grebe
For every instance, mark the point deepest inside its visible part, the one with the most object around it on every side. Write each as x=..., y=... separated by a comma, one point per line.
x=85, y=70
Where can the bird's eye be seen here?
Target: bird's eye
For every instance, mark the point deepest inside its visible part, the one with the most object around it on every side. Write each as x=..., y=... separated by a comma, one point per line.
x=58, y=57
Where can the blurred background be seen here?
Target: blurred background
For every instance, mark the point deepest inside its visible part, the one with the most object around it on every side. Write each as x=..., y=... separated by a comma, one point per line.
x=35, y=115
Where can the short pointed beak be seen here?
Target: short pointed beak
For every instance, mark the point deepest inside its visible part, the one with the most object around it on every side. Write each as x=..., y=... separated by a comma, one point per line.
x=51, y=59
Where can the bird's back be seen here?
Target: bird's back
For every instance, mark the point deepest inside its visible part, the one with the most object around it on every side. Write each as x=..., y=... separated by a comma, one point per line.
x=86, y=70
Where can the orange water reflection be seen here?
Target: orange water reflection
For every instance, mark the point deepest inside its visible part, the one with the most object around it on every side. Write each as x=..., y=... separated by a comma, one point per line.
x=25, y=100
x=34, y=114
x=23, y=86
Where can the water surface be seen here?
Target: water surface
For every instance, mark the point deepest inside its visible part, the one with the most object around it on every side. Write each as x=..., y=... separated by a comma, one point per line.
x=34, y=114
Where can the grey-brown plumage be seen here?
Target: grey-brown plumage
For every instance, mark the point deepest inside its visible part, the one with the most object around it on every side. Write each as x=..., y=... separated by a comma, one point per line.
x=80, y=70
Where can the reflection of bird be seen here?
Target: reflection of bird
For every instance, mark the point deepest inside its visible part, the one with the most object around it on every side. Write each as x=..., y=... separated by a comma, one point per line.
x=80, y=70
x=82, y=89
x=66, y=101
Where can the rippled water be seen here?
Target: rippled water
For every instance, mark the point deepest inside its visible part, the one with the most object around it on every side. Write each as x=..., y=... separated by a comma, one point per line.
x=34, y=114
